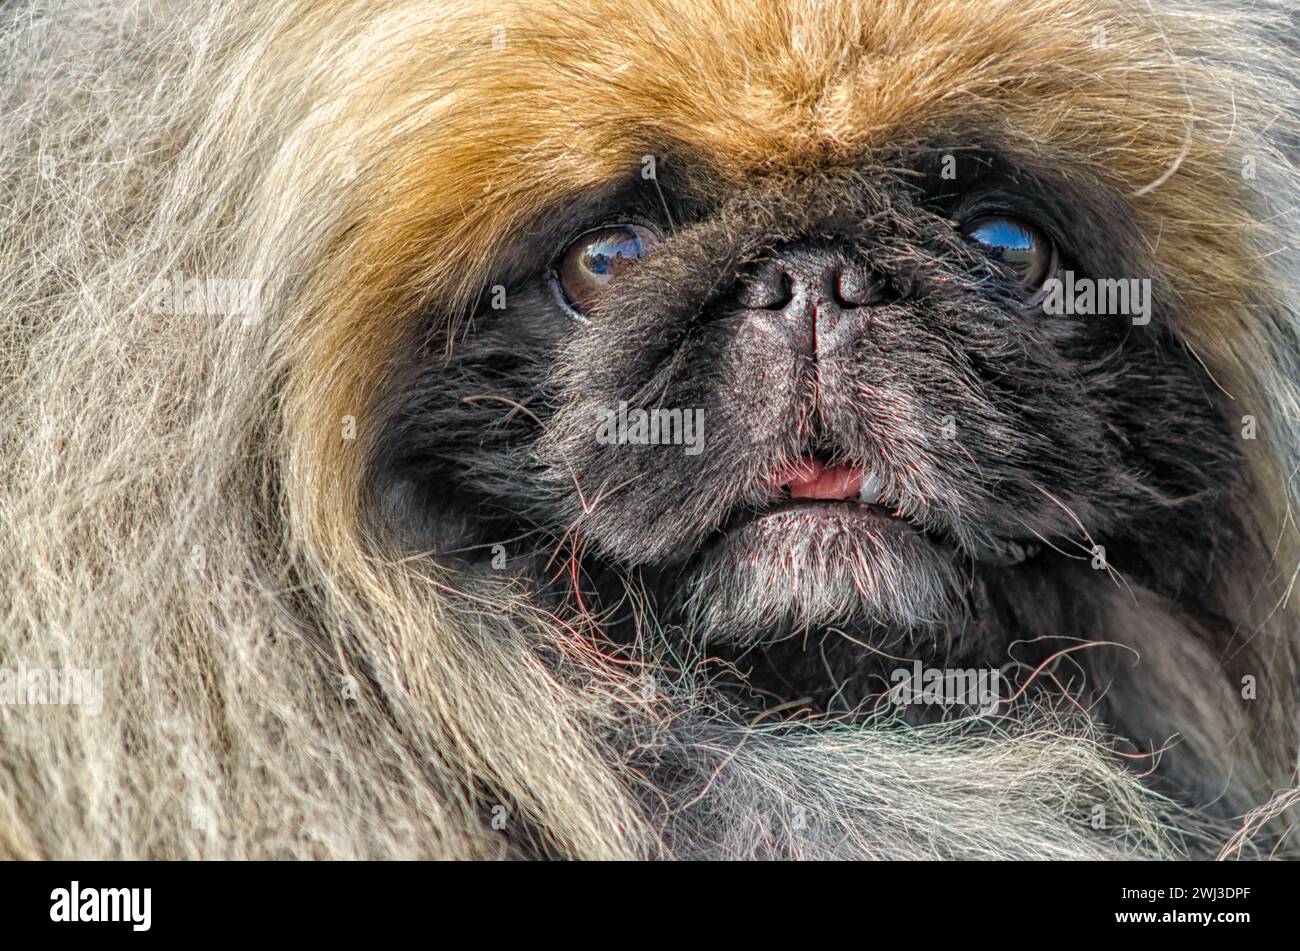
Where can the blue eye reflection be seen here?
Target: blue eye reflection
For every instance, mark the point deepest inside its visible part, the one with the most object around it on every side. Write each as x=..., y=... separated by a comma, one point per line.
x=595, y=260
x=613, y=251
x=1002, y=234
x=1024, y=250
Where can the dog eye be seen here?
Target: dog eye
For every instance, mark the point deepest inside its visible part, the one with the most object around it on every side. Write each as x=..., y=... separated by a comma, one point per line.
x=1019, y=246
x=596, y=258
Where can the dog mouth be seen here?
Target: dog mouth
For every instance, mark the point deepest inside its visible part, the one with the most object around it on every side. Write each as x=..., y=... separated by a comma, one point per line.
x=813, y=489
x=820, y=543
x=812, y=482
x=815, y=499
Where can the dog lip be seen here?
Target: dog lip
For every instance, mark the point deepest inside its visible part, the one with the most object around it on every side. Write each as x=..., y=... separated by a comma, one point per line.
x=835, y=507
x=813, y=478
x=812, y=497
x=815, y=512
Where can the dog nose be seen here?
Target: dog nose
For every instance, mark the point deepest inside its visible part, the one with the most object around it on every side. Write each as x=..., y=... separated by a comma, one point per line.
x=805, y=279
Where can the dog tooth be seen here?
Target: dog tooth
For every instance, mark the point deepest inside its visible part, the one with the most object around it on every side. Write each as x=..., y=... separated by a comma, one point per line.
x=872, y=484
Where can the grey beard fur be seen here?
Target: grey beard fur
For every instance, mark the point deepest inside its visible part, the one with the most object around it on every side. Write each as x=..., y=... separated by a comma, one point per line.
x=730, y=602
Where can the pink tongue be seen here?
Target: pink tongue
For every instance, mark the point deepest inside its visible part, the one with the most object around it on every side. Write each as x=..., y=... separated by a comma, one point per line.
x=809, y=479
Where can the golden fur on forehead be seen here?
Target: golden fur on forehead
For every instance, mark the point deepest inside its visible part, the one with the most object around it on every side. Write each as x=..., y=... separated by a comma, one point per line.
x=571, y=96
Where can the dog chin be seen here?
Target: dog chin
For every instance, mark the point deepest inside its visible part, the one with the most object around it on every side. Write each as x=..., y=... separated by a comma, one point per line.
x=804, y=566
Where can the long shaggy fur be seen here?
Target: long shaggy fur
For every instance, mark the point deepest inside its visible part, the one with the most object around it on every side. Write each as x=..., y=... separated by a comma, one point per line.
x=184, y=508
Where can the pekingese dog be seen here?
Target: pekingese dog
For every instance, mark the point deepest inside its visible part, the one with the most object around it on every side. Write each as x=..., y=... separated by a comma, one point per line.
x=699, y=428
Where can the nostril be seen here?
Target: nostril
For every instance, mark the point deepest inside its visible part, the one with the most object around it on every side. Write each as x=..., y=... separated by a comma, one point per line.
x=851, y=288
x=859, y=287
x=781, y=293
x=768, y=288
x=856, y=287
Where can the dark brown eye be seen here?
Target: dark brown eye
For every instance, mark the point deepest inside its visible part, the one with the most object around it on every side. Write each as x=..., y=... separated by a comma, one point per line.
x=1023, y=249
x=596, y=258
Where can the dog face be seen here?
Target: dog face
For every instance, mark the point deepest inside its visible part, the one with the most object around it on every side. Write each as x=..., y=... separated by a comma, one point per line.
x=846, y=269
x=760, y=332
x=879, y=404
x=826, y=385
x=591, y=353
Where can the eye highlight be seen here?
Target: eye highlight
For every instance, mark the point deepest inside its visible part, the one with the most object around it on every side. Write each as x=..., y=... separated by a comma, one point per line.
x=595, y=259
x=1019, y=246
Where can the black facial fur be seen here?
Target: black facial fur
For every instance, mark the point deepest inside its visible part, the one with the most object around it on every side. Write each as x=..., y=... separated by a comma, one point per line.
x=1027, y=443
